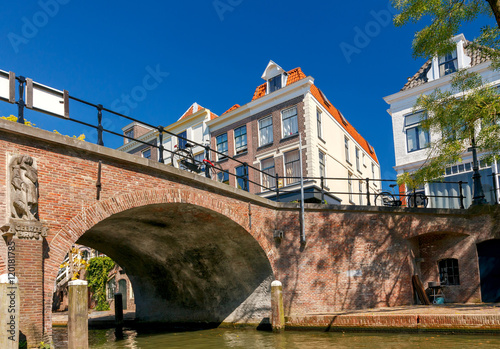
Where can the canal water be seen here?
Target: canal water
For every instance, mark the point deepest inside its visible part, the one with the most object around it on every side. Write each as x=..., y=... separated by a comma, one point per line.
x=250, y=339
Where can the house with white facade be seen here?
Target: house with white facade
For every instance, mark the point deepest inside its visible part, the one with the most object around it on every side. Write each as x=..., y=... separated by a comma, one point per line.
x=264, y=133
x=190, y=126
x=411, y=142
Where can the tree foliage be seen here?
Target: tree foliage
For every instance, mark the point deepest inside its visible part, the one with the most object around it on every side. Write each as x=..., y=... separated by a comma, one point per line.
x=446, y=18
x=469, y=111
x=97, y=276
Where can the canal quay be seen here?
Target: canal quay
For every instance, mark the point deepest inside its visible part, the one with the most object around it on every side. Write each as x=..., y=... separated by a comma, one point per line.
x=464, y=326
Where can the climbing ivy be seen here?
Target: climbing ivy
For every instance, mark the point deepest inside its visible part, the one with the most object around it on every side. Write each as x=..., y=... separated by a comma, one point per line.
x=97, y=277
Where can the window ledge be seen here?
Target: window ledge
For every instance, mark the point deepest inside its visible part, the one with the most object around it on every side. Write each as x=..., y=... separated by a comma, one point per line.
x=264, y=146
x=223, y=160
x=240, y=154
x=289, y=137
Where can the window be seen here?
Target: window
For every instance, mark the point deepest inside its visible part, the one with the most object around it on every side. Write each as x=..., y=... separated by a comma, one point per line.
x=223, y=177
x=268, y=177
x=349, y=187
x=357, y=160
x=198, y=160
x=240, y=139
x=129, y=133
x=360, y=187
x=346, y=142
x=241, y=178
x=111, y=288
x=416, y=137
x=322, y=172
x=448, y=272
x=182, y=142
x=364, y=160
x=221, y=141
x=290, y=126
x=275, y=83
x=147, y=153
x=265, y=130
x=318, y=118
x=373, y=174
x=292, y=166
x=448, y=63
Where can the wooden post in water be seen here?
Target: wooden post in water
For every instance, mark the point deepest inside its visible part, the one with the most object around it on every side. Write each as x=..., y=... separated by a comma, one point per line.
x=78, y=318
x=9, y=312
x=277, y=313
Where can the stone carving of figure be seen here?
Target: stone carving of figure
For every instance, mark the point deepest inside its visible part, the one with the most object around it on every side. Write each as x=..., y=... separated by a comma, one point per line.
x=24, y=188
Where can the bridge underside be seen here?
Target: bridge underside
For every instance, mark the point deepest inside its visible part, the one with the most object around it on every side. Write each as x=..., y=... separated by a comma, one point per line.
x=187, y=264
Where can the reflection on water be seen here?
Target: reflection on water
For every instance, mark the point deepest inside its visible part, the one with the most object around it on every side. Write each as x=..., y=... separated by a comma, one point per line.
x=249, y=339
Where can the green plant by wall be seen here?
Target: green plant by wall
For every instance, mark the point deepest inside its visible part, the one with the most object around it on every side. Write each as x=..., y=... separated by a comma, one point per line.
x=97, y=277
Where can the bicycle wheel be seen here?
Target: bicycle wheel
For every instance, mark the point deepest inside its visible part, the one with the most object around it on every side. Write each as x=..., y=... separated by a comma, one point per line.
x=182, y=159
x=384, y=199
x=418, y=200
x=214, y=168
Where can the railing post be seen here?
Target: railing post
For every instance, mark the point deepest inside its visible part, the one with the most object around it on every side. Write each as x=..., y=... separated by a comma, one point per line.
x=161, y=148
x=207, y=156
x=322, y=190
x=20, y=103
x=461, y=195
x=493, y=176
x=277, y=188
x=245, y=174
x=368, y=191
x=99, y=125
x=414, y=198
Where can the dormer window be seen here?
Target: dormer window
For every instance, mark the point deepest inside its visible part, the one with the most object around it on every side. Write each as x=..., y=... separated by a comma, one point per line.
x=274, y=83
x=448, y=64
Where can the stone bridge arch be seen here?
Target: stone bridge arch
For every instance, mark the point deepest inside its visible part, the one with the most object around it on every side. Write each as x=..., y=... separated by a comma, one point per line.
x=236, y=269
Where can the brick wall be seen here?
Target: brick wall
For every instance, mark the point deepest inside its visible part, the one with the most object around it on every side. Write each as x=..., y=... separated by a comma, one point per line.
x=355, y=257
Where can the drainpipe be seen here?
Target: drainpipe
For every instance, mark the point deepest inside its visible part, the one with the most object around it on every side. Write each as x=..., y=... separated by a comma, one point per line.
x=302, y=220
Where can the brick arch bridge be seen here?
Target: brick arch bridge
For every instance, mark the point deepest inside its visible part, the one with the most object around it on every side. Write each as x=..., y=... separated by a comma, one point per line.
x=211, y=235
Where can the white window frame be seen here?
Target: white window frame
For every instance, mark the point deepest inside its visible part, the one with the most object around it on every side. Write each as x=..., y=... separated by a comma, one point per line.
x=283, y=122
x=347, y=150
x=221, y=157
x=272, y=178
x=373, y=175
x=269, y=126
x=290, y=181
x=245, y=148
x=349, y=187
x=358, y=164
x=320, y=152
x=129, y=133
x=319, y=123
x=415, y=125
x=146, y=150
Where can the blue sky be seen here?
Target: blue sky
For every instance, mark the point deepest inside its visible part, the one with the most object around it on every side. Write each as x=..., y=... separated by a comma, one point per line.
x=209, y=52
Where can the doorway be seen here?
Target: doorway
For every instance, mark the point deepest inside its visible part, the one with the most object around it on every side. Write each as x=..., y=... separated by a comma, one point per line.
x=489, y=270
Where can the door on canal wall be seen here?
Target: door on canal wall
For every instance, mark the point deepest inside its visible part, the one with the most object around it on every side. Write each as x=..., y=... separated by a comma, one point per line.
x=122, y=286
x=489, y=270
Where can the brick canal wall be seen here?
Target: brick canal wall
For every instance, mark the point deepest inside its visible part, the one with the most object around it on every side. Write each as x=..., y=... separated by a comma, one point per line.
x=222, y=239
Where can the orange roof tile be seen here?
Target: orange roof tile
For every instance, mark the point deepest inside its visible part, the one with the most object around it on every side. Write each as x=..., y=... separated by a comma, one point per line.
x=320, y=97
x=294, y=75
x=195, y=107
x=236, y=106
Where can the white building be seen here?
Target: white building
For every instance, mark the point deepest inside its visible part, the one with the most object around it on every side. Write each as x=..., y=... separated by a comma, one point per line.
x=265, y=134
x=411, y=143
x=191, y=125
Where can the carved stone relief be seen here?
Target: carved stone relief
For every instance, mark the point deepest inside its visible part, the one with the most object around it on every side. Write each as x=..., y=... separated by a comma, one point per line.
x=23, y=188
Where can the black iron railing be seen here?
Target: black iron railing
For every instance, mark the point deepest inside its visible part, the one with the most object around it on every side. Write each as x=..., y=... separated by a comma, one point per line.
x=319, y=183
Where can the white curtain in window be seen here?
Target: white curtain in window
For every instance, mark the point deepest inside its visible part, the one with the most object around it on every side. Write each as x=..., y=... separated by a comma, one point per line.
x=266, y=131
x=290, y=126
x=292, y=166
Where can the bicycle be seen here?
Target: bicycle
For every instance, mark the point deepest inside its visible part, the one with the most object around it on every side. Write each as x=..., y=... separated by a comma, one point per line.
x=183, y=159
x=386, y=198
x=417, y=200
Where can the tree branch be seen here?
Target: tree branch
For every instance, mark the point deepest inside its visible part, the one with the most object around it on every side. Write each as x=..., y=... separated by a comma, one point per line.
x=495, y=7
